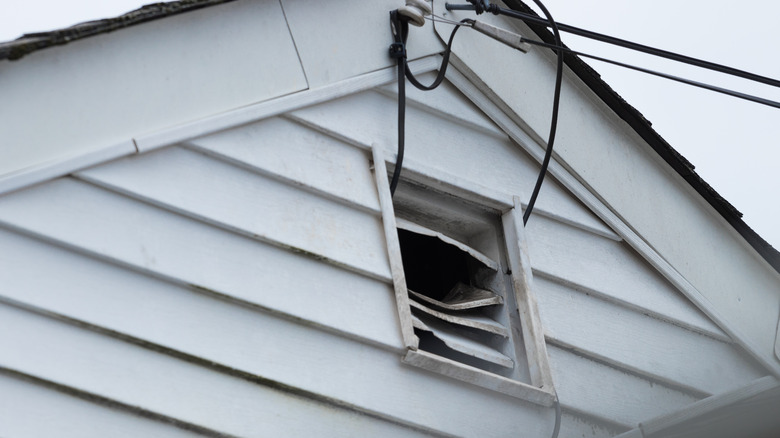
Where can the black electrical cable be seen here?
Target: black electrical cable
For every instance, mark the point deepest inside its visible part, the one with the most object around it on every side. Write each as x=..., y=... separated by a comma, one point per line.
x=554, y=120
x=528, y=18
x=399, y=26
x=557, y=428
x=398, y=50
x=703, y=85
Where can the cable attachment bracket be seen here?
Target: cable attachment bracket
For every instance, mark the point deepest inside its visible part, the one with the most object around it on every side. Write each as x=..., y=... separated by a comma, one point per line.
x=397, y=50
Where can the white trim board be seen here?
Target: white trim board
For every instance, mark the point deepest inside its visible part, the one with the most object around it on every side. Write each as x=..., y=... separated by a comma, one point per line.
x=209, y=125
x=279, y=105
x=581, y=191
x=55, y=169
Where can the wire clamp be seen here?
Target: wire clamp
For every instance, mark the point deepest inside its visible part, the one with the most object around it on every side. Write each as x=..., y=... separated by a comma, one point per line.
x=397, y=50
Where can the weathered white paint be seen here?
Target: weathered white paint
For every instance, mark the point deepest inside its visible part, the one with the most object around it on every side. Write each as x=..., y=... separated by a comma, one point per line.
x=325, y=37
x=446, y=101
x=608, y=393
x=632, y=180
x=458, y=342
x=522, y=283
x=446, y=147
x=64, y=354
x=320, y=314
x=47, y=171
x=364, y=378
x=29, y=410
x=588, y=261
x=641, y=344
x=106, y=89
x=474, y=321
x=274, y=106
x=393, y=250
x=286, y=151
x=112, y=296
x=475, y=376
x=238, y=199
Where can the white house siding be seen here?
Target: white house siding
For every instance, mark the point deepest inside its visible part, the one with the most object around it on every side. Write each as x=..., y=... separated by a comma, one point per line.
x=624, y=344
x=239, y=284
x=111, y=87
x=158, y=282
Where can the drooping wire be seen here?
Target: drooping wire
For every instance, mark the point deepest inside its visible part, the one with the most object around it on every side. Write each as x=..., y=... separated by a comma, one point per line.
x=528, y=18
x=554, y=119
x=400, y=29
x=557, y=428
x=703, y=85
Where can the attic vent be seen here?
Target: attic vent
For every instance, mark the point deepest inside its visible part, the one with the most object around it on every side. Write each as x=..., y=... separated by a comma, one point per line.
x=455, y=310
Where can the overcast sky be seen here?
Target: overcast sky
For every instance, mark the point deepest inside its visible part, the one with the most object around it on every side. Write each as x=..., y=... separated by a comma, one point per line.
x=732, y=143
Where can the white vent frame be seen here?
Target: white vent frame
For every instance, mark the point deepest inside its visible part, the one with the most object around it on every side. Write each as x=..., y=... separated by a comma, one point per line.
x=541, y=389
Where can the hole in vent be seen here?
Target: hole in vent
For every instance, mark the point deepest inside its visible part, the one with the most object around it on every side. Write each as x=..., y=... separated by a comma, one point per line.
x=432, y=267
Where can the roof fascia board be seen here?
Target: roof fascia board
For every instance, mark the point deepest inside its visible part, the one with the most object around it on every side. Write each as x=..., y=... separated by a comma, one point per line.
x=208, y=125
x=277, y=106
x=150, y=76
x=55, y=169
x=685, y=236
x=572, y=182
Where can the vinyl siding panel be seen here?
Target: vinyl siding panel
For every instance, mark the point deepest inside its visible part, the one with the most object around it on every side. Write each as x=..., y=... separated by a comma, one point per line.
x=606, y=312
x=30, y=409
x=240, y=282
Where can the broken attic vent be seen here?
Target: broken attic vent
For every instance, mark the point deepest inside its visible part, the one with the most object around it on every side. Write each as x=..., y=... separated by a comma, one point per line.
x=456, y=297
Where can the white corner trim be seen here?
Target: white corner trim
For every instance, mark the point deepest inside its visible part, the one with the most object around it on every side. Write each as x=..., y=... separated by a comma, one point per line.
x=279, y=105
x=64, y=166
x=506, y=122
x=707, y=405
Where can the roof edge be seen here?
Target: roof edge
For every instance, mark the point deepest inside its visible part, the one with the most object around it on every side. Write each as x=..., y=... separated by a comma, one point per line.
x=644, y=128
x=32, y=42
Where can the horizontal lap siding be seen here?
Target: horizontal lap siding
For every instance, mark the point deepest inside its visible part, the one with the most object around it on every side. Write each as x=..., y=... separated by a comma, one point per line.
x=649, y=350
x=446, y=133
x=146, y=238
x=159, y=282
x=130, y=374
x=222, y=394
x=231, y=197
x=191, y=249
x=612, y=270
x=32, y=410
x=608, y=313
x=441, y=142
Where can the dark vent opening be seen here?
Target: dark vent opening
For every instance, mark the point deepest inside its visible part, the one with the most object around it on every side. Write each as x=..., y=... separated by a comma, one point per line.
x=432, y=267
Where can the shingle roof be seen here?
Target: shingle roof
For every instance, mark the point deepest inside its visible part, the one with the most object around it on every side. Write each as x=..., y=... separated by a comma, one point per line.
x=32, y=42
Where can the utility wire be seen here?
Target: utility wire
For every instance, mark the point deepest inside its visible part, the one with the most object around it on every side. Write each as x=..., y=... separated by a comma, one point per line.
x=554, y=119
x=528, y=18
x=703, y=85
x=399, y=26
